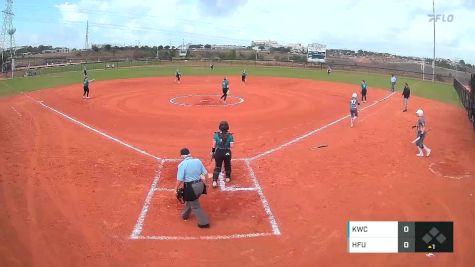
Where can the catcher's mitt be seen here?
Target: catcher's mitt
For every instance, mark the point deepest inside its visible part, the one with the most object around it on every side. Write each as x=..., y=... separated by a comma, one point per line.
x=180, y=192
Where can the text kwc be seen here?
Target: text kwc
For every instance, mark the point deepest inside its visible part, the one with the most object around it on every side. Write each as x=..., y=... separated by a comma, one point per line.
x=441, y=17
x=359, y=229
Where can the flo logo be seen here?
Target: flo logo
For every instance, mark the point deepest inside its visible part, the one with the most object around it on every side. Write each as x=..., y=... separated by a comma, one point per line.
x=441, y=17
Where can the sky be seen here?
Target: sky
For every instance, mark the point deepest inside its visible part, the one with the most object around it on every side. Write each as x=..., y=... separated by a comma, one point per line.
x=399, y=27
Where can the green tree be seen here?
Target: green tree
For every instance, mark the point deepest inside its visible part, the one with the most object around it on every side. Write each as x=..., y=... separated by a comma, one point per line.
x=95, y=48
x=232, y=54
x=107, y=47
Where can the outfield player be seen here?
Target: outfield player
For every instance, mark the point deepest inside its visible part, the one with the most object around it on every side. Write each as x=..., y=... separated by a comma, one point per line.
x=421, y=133
x=329, y=70
x=225, y=86
x=223, y=141
x=178, y=76
x=393, y=82
x=85, y=87
x=353, y=108
x=364, y=90
x=243, y=76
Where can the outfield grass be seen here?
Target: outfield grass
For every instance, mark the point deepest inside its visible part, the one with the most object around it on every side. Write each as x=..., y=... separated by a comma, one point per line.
x=437, y=91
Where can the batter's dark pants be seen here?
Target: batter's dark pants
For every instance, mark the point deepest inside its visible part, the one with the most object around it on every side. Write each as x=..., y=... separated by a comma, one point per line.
x=225, y=94
x=86, y=91
x=420, y=142
x=220, y=156
x=243, y=78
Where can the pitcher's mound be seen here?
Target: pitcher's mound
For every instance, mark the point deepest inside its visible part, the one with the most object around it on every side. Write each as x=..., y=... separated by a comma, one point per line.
x=205, y=100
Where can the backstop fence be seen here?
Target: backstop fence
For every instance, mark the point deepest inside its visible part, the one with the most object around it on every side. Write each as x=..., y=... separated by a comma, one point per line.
x=467, y=97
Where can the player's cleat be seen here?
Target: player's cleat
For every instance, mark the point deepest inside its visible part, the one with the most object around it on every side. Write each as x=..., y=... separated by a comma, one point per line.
x=215, y=184
x=404, y=110
x=428, y=152
x=420, y=155
x=227, y=180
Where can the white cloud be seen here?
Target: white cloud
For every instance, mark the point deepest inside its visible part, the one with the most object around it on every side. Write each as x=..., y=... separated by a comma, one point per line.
x=393, y=26
x=70, y=13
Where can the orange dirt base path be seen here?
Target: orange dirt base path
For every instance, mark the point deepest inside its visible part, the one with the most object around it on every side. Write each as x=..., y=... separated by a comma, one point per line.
x=71, y=197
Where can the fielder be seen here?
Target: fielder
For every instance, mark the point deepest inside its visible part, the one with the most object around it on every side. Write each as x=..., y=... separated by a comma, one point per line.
x=86, y=87
x=393, y=82
x=353, y=109
x=406, y=93
x=421, y=132
x=178, y=76
x=364, y=90
x=225, y=86
x=243, y=76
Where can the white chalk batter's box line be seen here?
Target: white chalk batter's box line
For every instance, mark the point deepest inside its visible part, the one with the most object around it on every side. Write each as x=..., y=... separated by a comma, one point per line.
x=137, y=231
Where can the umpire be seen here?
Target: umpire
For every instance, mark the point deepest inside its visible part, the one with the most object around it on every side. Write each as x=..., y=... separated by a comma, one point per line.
x=191, y=174
x=221, y=151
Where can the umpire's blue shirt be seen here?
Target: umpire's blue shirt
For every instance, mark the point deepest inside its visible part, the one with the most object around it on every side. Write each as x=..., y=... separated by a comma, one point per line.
x=190, y=169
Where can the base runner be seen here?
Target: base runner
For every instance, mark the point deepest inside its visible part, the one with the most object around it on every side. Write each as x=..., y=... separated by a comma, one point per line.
x=421, y=133
x=353, y=108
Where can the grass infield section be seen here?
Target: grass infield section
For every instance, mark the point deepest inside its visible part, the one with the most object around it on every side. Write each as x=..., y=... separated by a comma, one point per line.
x=438, y=91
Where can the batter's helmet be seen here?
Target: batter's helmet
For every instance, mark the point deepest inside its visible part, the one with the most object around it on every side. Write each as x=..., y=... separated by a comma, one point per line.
x=224, y=126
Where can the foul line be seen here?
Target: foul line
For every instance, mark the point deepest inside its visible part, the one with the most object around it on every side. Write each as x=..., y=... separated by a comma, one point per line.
x=293, y=141
x=140, y=221
x=16, y=111
x=143, y=152
x=265, y=204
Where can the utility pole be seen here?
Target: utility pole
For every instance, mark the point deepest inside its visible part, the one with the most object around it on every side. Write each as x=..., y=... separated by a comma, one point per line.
x=8, y=33
x=86, y=42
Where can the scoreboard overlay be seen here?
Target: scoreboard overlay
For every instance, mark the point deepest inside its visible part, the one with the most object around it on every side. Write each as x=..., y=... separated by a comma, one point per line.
x=399, y=237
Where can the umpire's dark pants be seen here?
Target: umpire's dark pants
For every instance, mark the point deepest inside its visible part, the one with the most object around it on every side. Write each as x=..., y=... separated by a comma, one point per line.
x=220, y=156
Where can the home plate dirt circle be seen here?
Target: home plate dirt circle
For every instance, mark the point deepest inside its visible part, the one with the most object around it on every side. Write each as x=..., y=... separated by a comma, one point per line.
x=206, y=100
x=450, y=170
